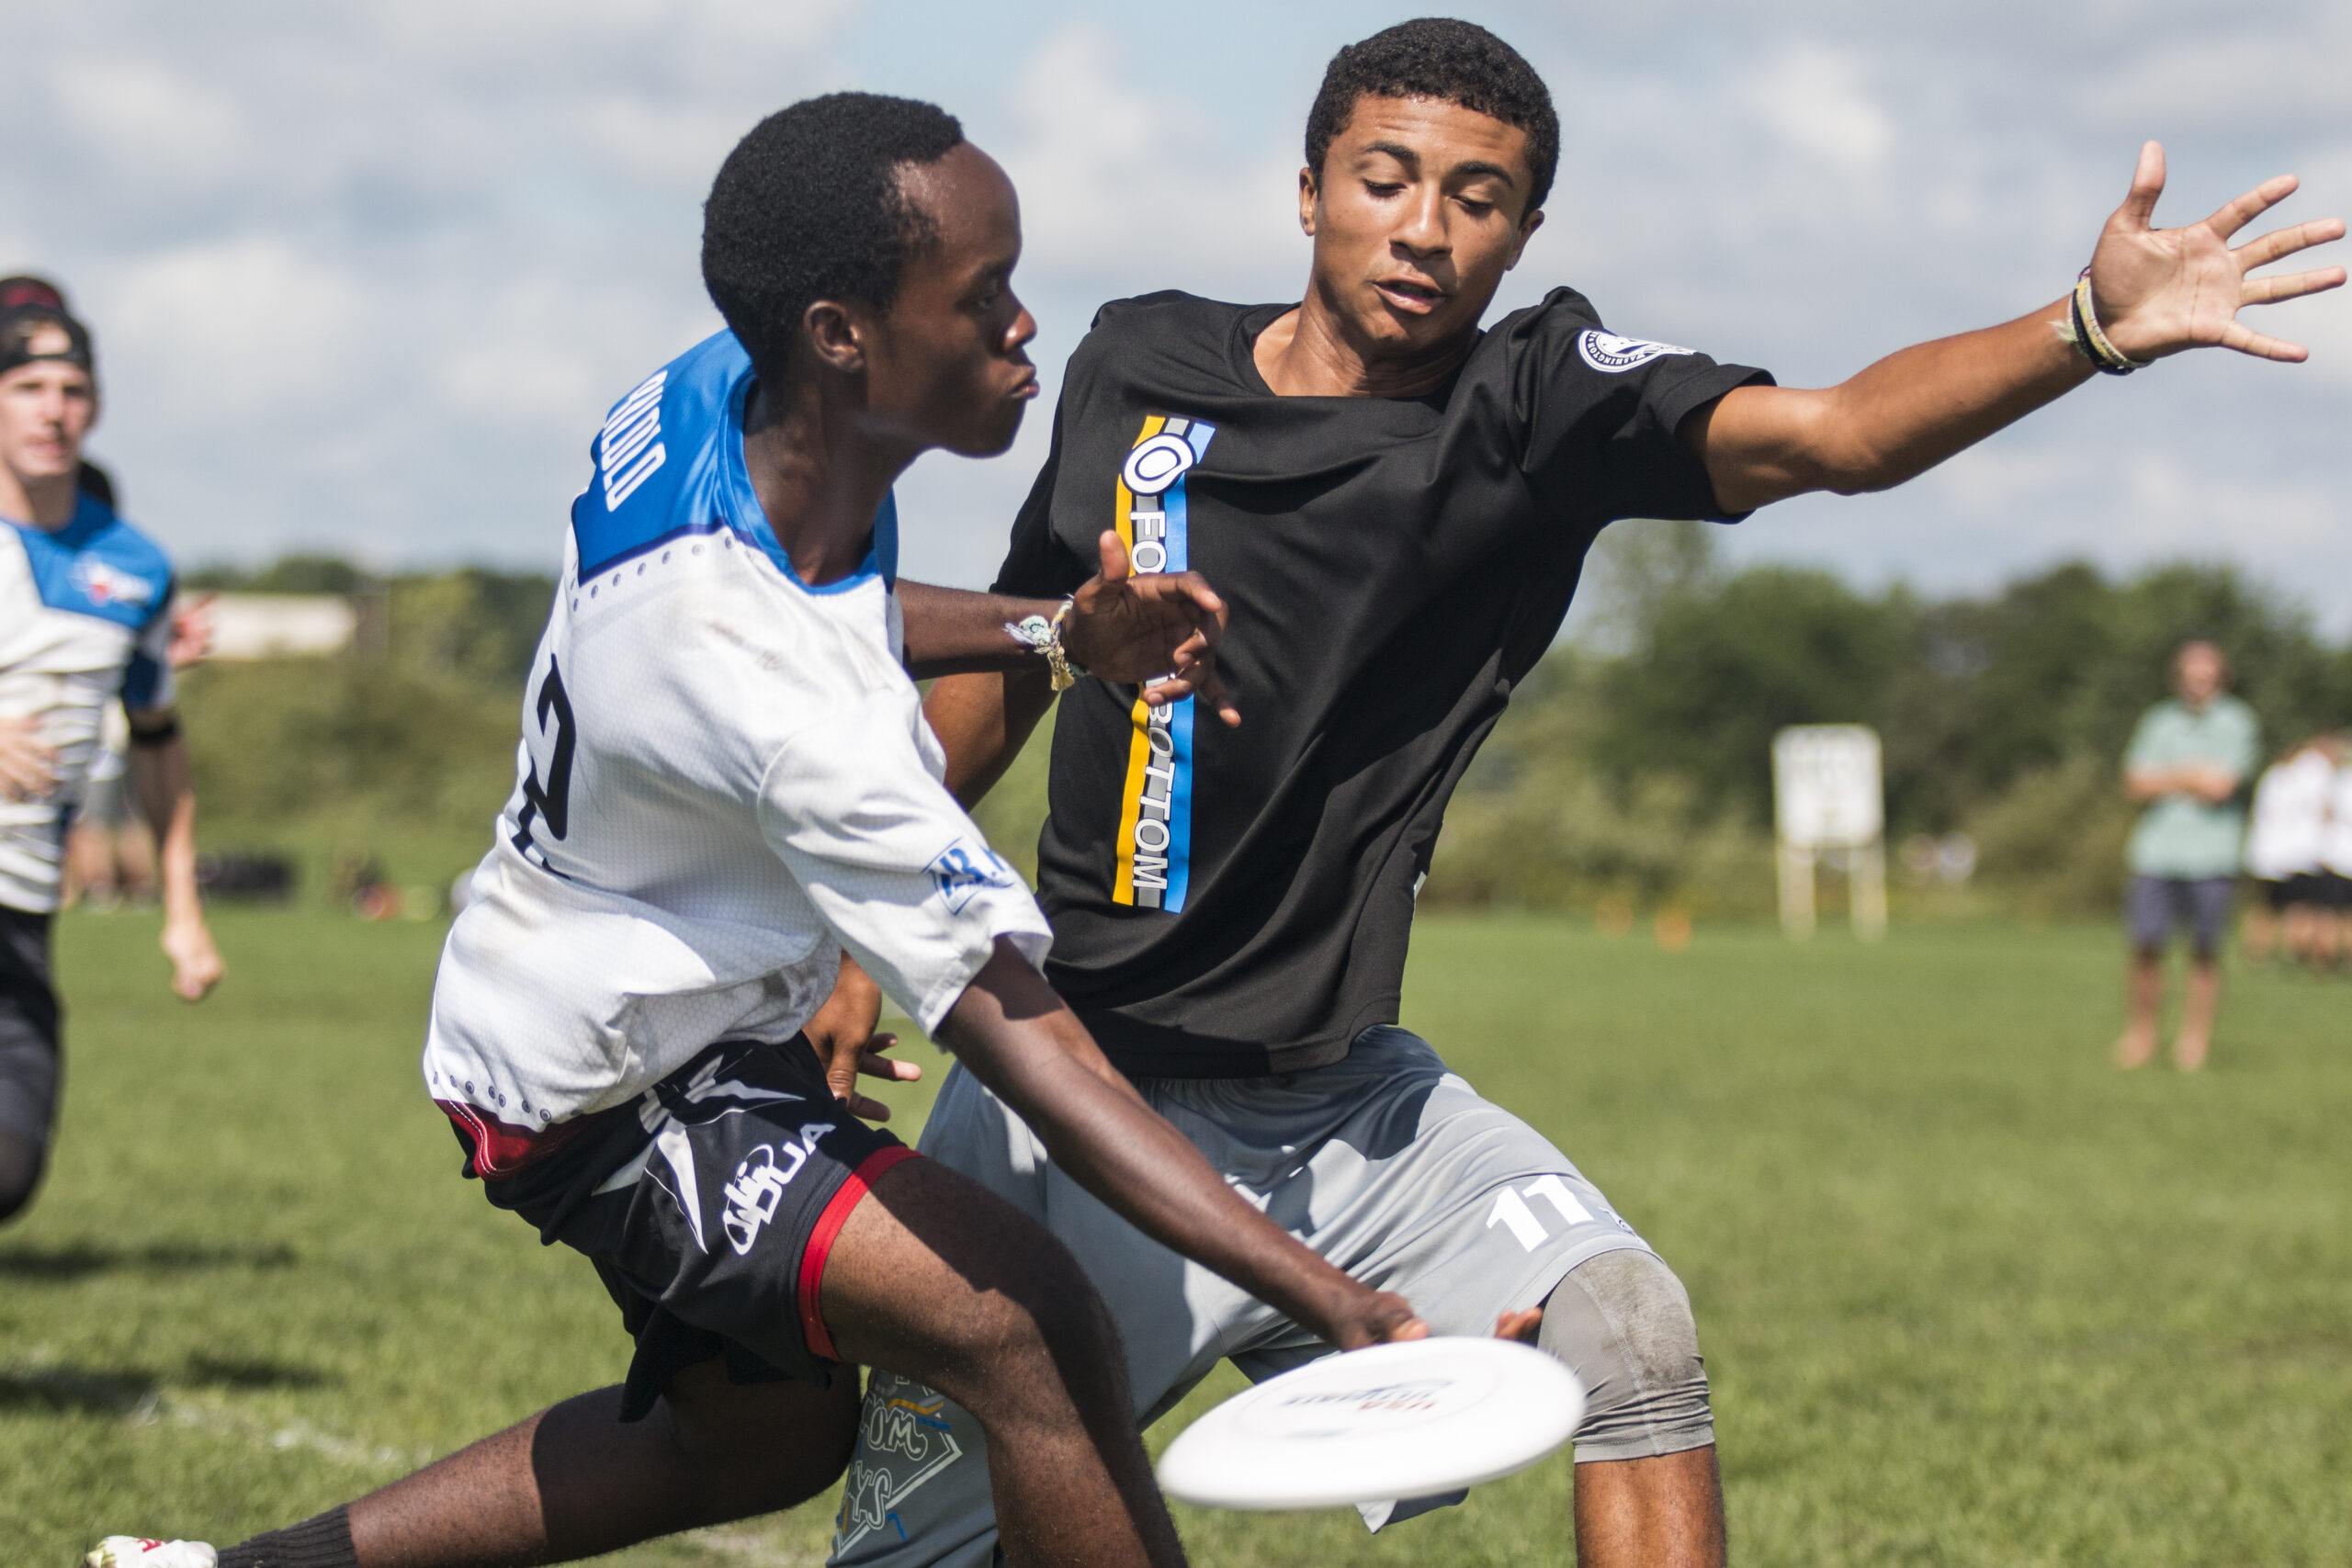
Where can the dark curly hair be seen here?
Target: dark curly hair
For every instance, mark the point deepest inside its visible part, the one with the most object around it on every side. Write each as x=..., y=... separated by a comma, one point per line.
x=807, y=207
x=1437, y=57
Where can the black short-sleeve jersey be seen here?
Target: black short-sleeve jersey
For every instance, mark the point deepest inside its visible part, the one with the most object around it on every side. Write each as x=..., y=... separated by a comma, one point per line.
x=1229, y=903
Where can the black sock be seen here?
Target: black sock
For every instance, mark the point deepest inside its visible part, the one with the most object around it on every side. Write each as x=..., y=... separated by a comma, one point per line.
x=322, y=1542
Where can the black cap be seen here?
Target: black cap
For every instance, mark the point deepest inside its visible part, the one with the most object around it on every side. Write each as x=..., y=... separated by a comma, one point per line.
x=26, y=289
x=28, y=306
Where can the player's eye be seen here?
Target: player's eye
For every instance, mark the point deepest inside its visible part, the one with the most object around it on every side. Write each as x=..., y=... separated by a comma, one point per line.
x=1383, y=190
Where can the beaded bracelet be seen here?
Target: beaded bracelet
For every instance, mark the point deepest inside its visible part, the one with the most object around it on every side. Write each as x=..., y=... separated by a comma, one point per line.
x=2082, y=330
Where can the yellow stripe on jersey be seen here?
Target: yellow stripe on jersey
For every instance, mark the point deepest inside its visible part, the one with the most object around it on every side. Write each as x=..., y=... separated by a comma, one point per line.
x=1123, y=879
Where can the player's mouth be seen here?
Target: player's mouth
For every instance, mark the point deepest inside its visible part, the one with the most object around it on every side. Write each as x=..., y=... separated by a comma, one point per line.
x=1410, y=295
x=1024, y=387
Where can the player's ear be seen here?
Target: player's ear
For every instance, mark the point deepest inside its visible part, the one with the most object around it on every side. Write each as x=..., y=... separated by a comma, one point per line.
x=834, y=336
x=1527, y=228
x=1306, y=197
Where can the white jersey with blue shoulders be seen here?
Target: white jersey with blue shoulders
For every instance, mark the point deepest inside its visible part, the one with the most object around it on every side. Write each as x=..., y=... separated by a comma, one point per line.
x=725, y=780
x=84, y=621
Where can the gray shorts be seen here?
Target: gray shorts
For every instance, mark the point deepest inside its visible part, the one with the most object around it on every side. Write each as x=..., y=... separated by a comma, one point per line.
x=1385, y=1163
x=2154, y=907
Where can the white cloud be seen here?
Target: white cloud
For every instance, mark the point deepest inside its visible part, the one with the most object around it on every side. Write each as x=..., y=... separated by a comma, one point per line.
x=1817, y=100
x=1121, y=178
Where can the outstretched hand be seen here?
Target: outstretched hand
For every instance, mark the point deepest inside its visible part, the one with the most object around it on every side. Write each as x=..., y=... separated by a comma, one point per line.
x=1157, y=627
x=2160, y=291
x=843, y=1035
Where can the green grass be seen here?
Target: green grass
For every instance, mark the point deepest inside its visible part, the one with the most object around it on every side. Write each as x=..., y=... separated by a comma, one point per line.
x=1968, y=1295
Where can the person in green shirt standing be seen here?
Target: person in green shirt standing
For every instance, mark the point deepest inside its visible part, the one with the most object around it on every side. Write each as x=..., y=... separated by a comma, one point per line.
x=2187, y=762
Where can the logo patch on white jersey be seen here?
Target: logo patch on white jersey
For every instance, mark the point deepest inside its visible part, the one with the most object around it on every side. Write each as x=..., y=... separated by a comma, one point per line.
x=110, y=585
x=961, y=869
x=1607, y=351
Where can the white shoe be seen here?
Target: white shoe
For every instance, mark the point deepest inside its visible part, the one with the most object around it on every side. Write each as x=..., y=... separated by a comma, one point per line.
x=137, y=1551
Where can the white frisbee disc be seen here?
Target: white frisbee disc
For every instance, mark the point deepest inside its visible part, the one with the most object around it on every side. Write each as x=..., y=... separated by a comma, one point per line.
x=1393, y=1421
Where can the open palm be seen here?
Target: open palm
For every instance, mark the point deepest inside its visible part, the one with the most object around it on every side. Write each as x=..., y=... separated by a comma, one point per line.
x=2160, y=291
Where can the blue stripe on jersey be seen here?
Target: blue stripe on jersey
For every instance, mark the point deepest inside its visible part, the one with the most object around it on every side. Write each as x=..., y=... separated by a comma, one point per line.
x=669, y=463
x=98, y=565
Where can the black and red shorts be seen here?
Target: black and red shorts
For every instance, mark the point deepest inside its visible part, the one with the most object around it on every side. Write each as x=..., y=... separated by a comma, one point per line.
x=708, y=1206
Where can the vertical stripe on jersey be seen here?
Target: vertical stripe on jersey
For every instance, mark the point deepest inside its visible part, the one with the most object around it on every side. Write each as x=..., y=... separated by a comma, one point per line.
x=1154, y=846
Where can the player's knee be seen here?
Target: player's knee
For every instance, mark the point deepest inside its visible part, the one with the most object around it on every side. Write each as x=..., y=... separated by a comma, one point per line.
x=1622, y=1321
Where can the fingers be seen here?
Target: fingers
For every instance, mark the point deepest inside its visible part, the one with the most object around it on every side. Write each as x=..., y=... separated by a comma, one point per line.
x=2292, y=286
x=2286, y=242
x=1193, y=587
x=873, y=1065
x=2236, y=215
x=2139, y=209
x=1220, y=701
x=1520, y=1326
x=2246, y=341
x=865, y=1110
x=1186, y=592
x=1115, y=564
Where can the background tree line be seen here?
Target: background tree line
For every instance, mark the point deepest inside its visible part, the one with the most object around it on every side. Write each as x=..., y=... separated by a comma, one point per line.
x=1634, y=765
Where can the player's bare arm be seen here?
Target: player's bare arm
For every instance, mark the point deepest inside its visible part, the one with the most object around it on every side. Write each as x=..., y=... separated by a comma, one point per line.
x=2154, y=292
x=160, y=773
x=1027, y=1045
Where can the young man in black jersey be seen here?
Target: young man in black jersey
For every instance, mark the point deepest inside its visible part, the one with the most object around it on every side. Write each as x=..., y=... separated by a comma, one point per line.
x=1396, y=506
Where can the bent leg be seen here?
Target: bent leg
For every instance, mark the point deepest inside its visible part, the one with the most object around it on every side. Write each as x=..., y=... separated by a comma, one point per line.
x=575, y=1481
x=934, y=1279
x=30, y=1028
x=1647, y=1487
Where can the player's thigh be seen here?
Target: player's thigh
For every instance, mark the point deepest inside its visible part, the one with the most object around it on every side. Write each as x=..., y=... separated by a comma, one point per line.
x=2210, y=899
x=32, y=1065
x=934, y=1277
x=733, y=1427
x=1475, y=1212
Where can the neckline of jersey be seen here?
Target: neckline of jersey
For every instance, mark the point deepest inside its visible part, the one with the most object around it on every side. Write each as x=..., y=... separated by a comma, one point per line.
x=744, y=501
x=1250, y=323
x=85, y=504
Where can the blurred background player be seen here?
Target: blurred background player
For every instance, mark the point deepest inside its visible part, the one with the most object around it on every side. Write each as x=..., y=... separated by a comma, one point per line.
x=2331, y=889
x=84, y=623
x=2286, y=834
x=2188, y=764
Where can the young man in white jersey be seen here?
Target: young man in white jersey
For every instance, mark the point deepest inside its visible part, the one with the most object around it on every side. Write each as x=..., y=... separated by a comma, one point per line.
x=726, y=779
x=1397, y=504
x=86, y=625
x=2284, y=837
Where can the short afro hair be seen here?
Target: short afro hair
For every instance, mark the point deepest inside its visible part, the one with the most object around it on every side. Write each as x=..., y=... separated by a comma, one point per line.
x=809, y=206
x=1436, y=57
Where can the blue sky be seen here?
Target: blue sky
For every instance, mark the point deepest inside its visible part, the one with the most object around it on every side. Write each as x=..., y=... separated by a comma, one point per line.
x=364, y=275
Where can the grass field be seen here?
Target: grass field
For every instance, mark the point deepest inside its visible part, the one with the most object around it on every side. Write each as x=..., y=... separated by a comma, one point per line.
x=1968, y=1295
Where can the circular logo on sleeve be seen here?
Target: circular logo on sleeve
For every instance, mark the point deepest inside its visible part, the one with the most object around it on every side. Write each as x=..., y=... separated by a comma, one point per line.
x=1607, y=351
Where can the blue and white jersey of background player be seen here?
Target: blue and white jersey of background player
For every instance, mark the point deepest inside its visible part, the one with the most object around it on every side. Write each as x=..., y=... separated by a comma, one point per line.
x=725, y=779
x=85, y=619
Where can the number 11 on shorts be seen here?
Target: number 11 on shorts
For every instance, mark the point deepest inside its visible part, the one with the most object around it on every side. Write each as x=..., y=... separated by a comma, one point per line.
x=1511, y=1209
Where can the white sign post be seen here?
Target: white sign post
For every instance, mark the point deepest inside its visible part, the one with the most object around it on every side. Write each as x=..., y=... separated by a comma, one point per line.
x=1827, y=795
